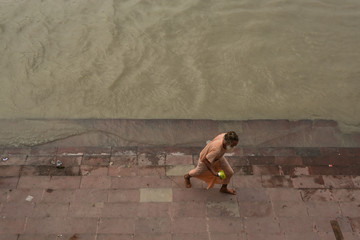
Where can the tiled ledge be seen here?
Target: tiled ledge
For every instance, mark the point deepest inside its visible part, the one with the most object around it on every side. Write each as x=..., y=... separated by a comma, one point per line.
x=162, y=132
x=113, y=161
x=174, y=151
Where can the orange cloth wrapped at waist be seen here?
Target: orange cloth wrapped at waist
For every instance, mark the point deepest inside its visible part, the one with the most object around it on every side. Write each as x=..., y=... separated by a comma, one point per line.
x=203, y=173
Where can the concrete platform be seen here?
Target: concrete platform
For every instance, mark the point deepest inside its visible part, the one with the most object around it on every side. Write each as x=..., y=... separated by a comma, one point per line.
x=284, y=191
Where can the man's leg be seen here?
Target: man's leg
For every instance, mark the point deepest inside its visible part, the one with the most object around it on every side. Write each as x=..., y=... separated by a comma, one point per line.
x=187, y=180
x=225, y=189
x=229, y=172
x=202, y=172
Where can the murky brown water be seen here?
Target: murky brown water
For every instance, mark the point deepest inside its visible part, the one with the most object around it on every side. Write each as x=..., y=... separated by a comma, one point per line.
x=189, y=59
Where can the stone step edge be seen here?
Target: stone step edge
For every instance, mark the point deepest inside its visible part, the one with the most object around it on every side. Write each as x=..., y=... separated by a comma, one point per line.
x=178, y=151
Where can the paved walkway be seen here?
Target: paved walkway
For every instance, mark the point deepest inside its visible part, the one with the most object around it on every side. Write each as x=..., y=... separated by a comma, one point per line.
x=117, y=193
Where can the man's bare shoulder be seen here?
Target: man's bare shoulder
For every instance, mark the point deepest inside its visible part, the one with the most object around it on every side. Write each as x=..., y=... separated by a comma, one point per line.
x=219, y=137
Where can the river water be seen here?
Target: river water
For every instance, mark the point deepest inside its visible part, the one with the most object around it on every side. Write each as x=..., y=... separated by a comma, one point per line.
x=188, y=59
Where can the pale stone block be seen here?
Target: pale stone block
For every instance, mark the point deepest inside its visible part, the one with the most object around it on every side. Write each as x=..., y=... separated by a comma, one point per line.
x=178, y=170
x=298, y=171
x=155, y=195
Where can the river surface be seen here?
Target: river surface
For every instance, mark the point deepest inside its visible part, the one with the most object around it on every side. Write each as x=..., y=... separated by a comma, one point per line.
x=188, y=59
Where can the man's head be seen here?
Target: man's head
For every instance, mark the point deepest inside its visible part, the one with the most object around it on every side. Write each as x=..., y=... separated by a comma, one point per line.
x=231, y=139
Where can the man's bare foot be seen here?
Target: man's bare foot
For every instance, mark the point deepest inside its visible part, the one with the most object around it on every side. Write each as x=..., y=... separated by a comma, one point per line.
x=228, y=191
x=187, y=180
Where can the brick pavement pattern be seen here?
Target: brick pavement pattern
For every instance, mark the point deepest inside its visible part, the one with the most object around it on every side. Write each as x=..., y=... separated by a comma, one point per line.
x=105, y=193
x=292, y=179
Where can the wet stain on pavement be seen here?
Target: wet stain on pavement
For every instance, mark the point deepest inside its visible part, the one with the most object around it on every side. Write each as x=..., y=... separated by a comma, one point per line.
x=317, y=195
x=319, y=180
x=74, y=237
x=277, y=181
x=224, y=209
x=151, y=159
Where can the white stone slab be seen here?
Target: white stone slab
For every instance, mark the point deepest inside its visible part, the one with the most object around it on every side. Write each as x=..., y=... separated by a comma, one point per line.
x=155, y=195
x=178, y=170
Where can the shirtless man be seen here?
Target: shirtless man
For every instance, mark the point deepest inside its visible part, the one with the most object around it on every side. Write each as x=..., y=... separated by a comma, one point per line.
x=212, y=160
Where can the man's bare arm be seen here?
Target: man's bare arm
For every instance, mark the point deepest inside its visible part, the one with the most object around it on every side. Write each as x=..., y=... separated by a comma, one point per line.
x=208, y=165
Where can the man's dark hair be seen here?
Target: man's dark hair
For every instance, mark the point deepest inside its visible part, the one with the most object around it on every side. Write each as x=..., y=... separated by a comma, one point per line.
x=231, y=137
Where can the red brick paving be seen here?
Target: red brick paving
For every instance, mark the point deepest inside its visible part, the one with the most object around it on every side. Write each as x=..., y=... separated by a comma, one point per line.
x=282, y=192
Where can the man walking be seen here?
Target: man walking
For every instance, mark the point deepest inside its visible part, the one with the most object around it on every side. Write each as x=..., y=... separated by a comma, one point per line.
x=212, y=160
